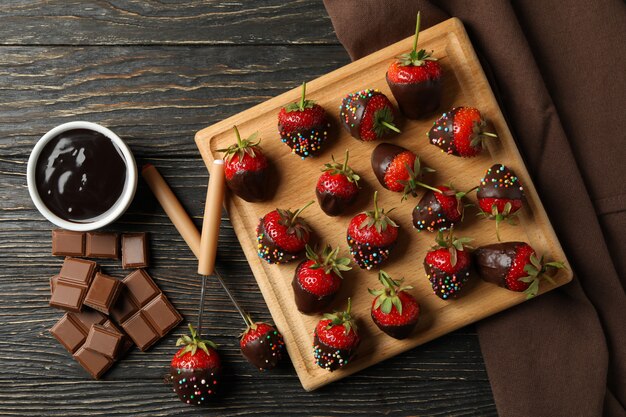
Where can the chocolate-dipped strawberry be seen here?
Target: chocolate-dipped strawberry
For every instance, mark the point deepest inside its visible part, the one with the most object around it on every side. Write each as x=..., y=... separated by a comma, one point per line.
x=368, y=115
x=448, y=265
x=371, y=236
x=262, y=345
x=400, y=170
x=303, y=126
x=461, y=131
x=246, y=169
x=514, y=266
x=439, y=211
x=337, y=188
x=335, y=340
x=415, y=81
x=500, y=195
x=394, y=310
x=195, y=370
x=317, y=279
x=282, y=235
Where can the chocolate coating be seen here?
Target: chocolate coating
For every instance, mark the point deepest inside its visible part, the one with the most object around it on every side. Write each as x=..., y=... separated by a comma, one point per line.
x=367, y=256
x=494, y=261
x=269, y=250
x=332, y=204
x=306, y=142
x=382, y=155
x=307, y=302
x=417, y=100
x=500, y=182
x=351, y=112
x=442, y=132
x=265, y=352
x=195, y=387
x=446, y=286
x=429, y=215
x=397, y=332
x=252, y=186
x=330, y=358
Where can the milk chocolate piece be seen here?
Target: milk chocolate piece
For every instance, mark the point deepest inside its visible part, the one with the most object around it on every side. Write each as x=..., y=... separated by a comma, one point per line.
x=68, y=296
x=104, y=341
x=102, y=245
x=140, y=330
x=417, y=100
x=127, y=343
x=103, y=293
x=134, y=250
x=78, y=271
x=53, y=283
x=88, y=318
x=162, y=315
x=94, y=363
x=124, y=307
x=68, y=243
x=141, y=287
x=69, y=333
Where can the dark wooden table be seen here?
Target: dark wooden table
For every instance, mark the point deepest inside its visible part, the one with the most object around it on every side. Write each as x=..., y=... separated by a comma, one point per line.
x=155, y=73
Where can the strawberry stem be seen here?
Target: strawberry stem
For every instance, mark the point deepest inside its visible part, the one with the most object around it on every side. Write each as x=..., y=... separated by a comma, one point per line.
x=376, y=216
x=345, y=163
x=297, y=213
x=390, y=126
x=491, y=135
x=238, y=136
x=417, y=32
x=421, y=184
x=301, y=104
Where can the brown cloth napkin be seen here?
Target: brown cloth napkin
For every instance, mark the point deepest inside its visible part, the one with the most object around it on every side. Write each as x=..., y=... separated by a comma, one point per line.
x=559, y=71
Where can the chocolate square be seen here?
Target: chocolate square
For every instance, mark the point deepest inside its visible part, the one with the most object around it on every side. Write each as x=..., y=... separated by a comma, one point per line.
x=94, y=363
x=80, y=271
x=68, y=296
x=124, y=306
x=141, y=287
x=103, y=293
x=102, y=245
x=126, y=342
x=88, y=318
x=53, y=283
x=140, y=330
x=68, y=243
x=134, y=250
x=162, y=315
x=104, y=340
x=69, y=333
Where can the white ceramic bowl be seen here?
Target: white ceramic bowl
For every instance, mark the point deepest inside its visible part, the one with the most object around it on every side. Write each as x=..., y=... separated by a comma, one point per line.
x=122, y=203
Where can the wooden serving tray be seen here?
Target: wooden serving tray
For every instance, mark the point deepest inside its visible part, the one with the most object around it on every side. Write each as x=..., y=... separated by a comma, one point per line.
x=464, y=84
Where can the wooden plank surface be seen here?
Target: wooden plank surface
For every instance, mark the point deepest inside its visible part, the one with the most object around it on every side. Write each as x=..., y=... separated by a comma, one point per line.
x=156, y=98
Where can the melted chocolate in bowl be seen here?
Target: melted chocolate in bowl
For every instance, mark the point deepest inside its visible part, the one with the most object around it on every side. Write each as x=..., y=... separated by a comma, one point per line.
x=80, y=174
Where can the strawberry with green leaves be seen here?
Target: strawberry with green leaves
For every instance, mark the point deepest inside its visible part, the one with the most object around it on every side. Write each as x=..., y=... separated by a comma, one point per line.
x=368, y=115
x=337, y=188
x=261, y=344
x=440, y=210
x=335, y=340
x=514, y=266
x=282, y=235
x=448, y=265
x=394, y=310
x=461, y=131
x=303, y=126
x=415, y=80
x=246, y=169
x=317, y=279
x=372, y=235
x=196, y=369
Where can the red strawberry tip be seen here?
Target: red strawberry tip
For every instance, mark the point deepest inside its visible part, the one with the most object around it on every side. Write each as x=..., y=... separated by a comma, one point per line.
x=342, y=168
x=328, y=260
x=342, y=318
x=193, y=342
x=302, y=104
x=416, y=58
x=388, y=296
x=537, y=270
x=452, y=243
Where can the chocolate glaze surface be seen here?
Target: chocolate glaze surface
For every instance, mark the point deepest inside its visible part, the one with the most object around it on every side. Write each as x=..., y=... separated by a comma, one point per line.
x=417, y=100
x=351, y=112
x=382, y=155
x=332, y=204
x=307, y=302
x=367, y=256
x=306, y=142
x=265, y=352
x=80, y=174
x=446, y=286
x=328, y=357
x=429, y=215
x=252, y=186
x=493, y=261
x=500, y=182
x=442, y=132
x=397, y=332
x=195, y=387
x=269, y=251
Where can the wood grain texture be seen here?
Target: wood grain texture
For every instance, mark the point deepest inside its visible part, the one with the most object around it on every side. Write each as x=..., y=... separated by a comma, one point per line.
x=464, y=84
x=139, y=22
x=156, y=98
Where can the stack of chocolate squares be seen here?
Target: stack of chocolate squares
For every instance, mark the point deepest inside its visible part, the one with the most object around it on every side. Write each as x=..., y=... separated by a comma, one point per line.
x=95, y=300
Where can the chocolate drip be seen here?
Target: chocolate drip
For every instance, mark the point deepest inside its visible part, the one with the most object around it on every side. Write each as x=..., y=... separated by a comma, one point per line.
x=417, y=100
x=442, y=132
x=328, y=357
x=352, y=110
x=265, y=352
x=269, y=251
x=307, y=302
x=382, y=156
x=252, y=186
x=446, y=285
x=332, y=204
x=429, y=215
x=367, y=256
x=305, y=142
x=195, y=387
x=494, y=261
x=397, y=332
x=500, y=182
